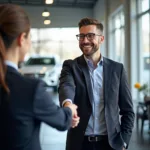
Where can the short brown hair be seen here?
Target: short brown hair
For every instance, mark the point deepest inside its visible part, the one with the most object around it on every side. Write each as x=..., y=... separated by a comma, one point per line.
x=90, y=21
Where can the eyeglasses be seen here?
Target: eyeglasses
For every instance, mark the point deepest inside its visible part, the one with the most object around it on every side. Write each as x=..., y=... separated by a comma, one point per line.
x=89, y=36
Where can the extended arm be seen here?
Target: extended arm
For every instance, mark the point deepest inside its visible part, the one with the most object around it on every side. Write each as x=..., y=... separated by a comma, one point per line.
x=47, y=111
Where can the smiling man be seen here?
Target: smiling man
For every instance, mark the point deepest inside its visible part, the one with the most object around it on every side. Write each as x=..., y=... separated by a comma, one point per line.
x=98, y=86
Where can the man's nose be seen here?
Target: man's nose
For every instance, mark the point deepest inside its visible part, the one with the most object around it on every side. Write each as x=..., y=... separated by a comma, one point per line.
x=85, y=39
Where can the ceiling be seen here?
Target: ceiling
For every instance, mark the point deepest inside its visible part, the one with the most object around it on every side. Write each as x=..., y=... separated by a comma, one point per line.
x=57, y=3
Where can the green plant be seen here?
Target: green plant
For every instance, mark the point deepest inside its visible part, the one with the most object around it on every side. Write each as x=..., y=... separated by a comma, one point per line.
x=142, y=88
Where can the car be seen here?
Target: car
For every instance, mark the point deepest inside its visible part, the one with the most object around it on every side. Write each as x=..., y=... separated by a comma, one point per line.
x=46, y=68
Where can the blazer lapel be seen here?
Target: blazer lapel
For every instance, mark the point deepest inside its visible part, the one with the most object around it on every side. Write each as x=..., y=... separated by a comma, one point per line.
x=107, y=74
x=85, y=70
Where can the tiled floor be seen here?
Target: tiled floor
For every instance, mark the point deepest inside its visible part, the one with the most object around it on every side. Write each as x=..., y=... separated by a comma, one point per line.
x=52, y=139
x=138, y=141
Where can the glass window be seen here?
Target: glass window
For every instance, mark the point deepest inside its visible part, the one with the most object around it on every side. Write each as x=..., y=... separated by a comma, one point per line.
x=144, y=5
x=117, y=21
x=144, y=42
x=122, y=18
x=60, y=41
x=140, y=42
x=117, y=36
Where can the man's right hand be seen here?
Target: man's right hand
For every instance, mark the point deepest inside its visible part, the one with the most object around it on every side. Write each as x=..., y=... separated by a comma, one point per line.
x=73, y=108
x=75, y=118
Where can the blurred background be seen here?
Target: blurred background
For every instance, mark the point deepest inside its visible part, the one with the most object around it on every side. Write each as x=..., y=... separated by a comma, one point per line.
x=127, y=40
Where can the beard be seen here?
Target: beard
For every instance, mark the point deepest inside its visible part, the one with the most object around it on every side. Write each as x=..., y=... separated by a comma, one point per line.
x=89, y=50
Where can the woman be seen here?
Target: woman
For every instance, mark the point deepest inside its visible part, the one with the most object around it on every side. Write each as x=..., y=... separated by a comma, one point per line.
x=24, y=102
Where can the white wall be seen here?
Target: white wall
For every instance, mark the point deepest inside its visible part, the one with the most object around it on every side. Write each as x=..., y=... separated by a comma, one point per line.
x=99, y=10
x=103, y=6
x=114, y=4
x=60, y=17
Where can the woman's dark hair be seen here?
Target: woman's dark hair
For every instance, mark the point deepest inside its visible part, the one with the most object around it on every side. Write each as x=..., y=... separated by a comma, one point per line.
x=90, y=21
x=13, y=22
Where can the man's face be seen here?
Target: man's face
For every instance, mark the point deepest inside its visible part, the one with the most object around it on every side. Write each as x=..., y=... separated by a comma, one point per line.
x=91, y=44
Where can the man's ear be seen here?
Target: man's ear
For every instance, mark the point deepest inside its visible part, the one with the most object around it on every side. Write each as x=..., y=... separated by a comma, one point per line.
x=101, y=39
x=21, y=39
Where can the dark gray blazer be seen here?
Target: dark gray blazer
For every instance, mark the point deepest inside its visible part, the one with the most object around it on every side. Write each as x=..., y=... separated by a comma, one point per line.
x=75, y=84
x=22, y=112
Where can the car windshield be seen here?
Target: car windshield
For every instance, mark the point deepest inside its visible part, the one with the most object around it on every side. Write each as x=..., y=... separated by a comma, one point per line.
x=40, y=61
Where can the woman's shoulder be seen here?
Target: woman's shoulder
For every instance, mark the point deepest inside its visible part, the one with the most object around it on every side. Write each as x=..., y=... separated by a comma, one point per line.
x=20, y=81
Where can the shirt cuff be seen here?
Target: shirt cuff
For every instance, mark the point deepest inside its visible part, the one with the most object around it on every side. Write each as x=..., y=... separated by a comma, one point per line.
x=66, y=100
x=125, y=145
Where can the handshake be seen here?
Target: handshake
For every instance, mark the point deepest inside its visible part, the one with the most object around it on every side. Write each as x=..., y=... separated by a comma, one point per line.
x=75, y=117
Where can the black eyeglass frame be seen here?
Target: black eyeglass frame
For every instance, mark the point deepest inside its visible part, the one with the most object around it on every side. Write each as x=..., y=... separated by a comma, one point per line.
x=87, y=36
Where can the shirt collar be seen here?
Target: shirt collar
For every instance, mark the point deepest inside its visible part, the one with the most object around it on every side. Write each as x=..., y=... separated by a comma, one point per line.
x=11, y=64
x=90, y=63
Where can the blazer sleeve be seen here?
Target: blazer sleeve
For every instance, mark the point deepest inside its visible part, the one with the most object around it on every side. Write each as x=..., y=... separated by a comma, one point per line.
x=126, y=108
x=47, y=111
x=66, y=85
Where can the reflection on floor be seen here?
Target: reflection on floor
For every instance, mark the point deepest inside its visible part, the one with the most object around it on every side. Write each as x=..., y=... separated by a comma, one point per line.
x=52, y=139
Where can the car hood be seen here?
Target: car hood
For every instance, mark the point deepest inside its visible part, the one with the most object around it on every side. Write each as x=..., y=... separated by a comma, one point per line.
x=35, y=69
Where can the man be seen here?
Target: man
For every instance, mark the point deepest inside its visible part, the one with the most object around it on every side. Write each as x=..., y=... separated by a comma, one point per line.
x=98, y=86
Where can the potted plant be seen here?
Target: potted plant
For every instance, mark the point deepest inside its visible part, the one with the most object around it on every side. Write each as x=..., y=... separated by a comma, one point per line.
x=144, y=89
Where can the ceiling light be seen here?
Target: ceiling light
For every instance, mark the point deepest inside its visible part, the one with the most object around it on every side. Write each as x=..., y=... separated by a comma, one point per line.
x=49, y=1
x=45, y=13
x=47, y=21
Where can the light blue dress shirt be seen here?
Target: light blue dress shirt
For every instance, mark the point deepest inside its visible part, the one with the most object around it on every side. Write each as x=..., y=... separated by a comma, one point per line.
x=97, y=123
